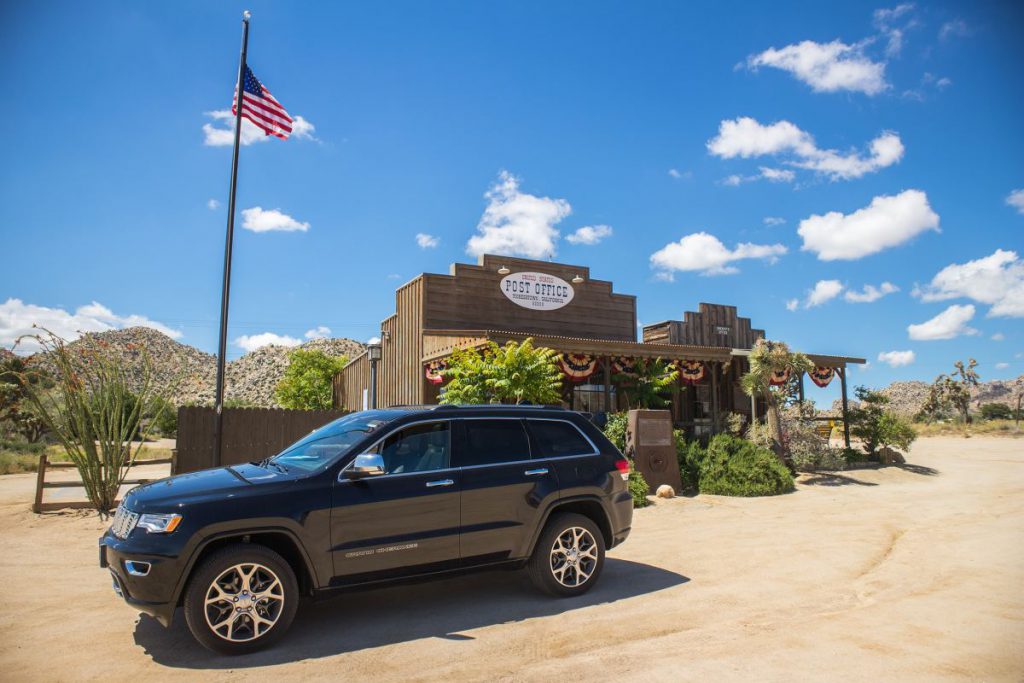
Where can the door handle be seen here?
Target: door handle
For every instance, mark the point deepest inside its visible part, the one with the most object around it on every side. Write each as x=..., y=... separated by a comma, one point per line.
x=440, y=482
x=536, y=472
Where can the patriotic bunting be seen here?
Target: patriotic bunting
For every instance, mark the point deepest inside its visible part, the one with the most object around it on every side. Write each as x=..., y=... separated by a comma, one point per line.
x=433, y=371
x=779, y=377
x=691, y=371
x=822, y=376
x=577, y=366
x=623, y=365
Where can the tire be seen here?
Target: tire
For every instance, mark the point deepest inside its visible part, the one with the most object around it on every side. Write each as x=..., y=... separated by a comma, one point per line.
x=556, y=570
x=220, y=608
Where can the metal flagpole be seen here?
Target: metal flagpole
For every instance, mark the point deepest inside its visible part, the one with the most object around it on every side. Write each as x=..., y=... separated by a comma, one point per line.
x=226, y=290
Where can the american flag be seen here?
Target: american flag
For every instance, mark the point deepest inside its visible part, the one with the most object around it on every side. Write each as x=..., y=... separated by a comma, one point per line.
x=260, y=107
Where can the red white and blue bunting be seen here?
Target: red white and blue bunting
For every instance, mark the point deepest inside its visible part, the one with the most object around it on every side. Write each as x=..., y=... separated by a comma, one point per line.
x=691, y=371
x=433, y=371
x=578, y=366
x=623, y=365
x=822, y=376
x=779, y=377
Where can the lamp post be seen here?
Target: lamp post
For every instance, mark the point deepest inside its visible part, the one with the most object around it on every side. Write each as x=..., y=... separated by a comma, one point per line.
x=373, y=351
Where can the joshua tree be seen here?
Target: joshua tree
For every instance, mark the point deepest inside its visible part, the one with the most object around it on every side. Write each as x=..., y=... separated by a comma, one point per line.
x=954, y=390
x=771, y=362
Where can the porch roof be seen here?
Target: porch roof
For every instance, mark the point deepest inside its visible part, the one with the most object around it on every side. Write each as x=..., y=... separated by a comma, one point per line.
x=440, y=343
x=819, y=359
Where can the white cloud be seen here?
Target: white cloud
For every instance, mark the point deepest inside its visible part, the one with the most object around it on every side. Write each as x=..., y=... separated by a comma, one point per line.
x=823, y=292
x=259, y=219
x=888, y=22
x=887, y=222
x=792, y=304
x=318, y=332
x=997, y=279
x=516, y=223
x=1002, y=366
x=589, y=234
x=826, y=67
x=252, y=342
x=680, y=175
x=897, y=359
x=870, y=293
x=221, y=132
x=705, y=253
x=1016, y=200
x=772, y=175
x=951, y=323
x=426, y=241
x=17, y=319
x=212, y=204
x=998, y=336
x=773, y=220
x=746, y=137
x=957, y=28
x=373, y=340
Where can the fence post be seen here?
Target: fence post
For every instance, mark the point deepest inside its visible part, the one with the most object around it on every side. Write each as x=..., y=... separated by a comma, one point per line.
x=40, y=478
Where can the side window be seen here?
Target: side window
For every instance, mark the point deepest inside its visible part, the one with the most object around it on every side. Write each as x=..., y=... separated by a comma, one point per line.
x=489, y=442
x=557, y=439
x=419, y=448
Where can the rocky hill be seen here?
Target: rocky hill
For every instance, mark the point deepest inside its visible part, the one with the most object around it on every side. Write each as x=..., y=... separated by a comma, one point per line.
x=188, y=375
x=906, y=398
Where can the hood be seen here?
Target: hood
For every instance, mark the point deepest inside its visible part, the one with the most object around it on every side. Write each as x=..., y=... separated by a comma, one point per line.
x=165, y=495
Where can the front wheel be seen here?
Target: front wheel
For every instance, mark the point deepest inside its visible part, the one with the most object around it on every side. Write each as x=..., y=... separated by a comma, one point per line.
x=241, y=599
x=568, y=557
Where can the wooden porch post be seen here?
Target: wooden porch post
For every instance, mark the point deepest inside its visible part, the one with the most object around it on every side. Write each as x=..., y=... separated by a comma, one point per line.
x=607, y=362
x=715, y=369
x=846, y=407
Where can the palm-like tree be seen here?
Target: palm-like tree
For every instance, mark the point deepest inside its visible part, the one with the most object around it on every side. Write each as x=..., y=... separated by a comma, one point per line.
x=648, y=384
x=769, y=359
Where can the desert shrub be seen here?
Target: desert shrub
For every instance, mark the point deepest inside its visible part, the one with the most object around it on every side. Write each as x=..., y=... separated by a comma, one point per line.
x=877, y=427
x=760, y=434
x=638, y=488
x=689, y=455
x=997, y=411
x=735, y=424
x=808, y=450
x=737, y=467
x=166, y=418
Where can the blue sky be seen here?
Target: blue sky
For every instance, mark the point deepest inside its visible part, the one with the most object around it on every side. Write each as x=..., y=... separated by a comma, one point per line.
x=739, y=153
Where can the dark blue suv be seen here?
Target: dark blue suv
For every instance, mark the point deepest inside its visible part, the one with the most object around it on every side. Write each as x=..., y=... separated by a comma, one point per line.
x=374, y=496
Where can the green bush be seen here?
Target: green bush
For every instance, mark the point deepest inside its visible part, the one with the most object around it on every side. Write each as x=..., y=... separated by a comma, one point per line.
x=689, y=456
x=808, y=450
x=165, y=418
x=736, y=467
x=638, y=488
x=997, y=411
x=615, y=429
x=877, y=427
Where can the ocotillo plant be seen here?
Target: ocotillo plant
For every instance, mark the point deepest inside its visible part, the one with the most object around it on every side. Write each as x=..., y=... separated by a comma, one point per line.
x=93, y=410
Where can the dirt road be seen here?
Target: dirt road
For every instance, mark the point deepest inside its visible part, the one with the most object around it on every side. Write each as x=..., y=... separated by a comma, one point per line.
x=912, y=573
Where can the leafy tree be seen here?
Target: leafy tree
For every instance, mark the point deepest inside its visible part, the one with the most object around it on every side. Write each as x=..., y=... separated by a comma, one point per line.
x=513, y=373
x=766, y=360
x=953, y=390
x=996, y=411
x=306, y=384
x=649, y=384
x=877, y=427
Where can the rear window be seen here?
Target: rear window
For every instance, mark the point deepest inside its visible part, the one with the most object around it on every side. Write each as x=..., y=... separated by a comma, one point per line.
x=557, y=439
x=489, y=442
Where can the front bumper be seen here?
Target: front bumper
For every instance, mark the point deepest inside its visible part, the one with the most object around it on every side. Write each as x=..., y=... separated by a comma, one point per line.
x=152, y=594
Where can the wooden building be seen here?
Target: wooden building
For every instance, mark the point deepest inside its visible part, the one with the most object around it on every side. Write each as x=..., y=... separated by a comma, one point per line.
x=561, y=307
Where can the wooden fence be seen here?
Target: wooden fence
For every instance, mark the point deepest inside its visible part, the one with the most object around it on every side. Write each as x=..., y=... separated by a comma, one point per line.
x=249, y=433
x=39, y=505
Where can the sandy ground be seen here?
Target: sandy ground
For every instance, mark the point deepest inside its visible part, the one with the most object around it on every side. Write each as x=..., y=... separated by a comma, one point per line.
x=913, y=573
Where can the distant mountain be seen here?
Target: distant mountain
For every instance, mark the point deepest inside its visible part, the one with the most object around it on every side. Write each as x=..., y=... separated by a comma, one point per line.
x=906, y=398
x=189, y=375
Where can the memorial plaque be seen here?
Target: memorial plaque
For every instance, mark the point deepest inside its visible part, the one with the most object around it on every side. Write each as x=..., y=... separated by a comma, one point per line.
x=650, y=444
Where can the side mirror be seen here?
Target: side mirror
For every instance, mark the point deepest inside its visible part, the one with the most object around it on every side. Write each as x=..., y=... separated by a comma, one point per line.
x=365, y=465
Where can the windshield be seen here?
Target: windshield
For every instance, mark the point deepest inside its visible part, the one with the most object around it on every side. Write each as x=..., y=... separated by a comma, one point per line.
x=324, y=445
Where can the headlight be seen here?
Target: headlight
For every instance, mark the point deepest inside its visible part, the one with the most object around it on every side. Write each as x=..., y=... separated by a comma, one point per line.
x=160, y=524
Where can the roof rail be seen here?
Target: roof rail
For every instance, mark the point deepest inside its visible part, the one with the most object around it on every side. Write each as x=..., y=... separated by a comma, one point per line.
x=477, y=406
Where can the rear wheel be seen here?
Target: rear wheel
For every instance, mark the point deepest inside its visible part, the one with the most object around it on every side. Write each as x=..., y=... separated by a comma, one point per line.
x=241, y=599
x=568, y=557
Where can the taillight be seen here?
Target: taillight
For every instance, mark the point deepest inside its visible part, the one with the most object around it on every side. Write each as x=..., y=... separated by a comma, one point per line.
x=623, y=467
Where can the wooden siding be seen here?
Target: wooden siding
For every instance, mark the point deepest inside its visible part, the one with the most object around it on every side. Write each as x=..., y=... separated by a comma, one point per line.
x=249, y=433
x=470, y=299
x=401, y=375
x=701, y=328
x=350, y=382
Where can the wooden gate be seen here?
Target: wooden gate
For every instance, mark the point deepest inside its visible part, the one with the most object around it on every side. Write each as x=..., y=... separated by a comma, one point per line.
x=249, y=433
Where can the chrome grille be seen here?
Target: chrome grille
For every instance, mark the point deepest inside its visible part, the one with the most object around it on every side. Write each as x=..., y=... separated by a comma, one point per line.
x=124, y=521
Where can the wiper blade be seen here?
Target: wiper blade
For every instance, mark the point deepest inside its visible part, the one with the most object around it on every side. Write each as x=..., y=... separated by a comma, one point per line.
x=278, y=465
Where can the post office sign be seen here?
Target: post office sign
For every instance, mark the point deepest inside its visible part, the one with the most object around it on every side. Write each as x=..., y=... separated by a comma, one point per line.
x=537, y=291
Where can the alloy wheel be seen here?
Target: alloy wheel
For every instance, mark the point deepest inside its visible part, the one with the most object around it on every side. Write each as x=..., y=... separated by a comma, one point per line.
x=244, y=602
x=574, y=557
